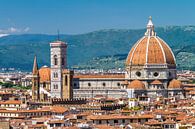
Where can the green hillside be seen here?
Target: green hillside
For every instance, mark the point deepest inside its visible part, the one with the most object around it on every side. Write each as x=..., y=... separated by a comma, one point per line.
x=99, y=49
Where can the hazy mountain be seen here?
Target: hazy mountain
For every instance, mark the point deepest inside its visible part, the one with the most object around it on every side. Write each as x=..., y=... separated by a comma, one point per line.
x=18, y=50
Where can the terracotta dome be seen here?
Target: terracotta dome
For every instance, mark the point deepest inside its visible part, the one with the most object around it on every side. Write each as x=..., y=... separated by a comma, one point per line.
x=175, y=84
x=136, y=84
x=156, y=82
x=125, y=82
x=44, y=73
x=150, y=49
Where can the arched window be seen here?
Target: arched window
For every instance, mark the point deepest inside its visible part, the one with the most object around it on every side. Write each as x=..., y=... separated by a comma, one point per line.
x=55, y=60
x=104, y=84
x=66, y=80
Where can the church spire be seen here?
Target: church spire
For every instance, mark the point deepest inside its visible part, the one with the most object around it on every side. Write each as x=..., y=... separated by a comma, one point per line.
x=150, y=28
x=35, y=67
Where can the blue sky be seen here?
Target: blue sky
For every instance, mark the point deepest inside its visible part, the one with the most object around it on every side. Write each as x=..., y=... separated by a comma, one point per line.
x=81, y=16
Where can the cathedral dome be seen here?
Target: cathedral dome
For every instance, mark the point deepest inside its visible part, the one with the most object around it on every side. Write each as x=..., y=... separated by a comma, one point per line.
x=175, y=84
x=136, y=84
x=151, y=49
x=44, y=73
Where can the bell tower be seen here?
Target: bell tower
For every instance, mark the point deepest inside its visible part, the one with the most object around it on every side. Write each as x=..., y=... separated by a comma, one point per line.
x=58, y=63
x=35, y=81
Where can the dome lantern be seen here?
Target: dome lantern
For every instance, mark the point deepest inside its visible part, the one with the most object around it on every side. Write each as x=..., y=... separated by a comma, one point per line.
x=150, y=28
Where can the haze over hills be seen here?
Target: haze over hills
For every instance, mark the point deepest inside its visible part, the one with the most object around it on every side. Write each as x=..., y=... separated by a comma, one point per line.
x=99, y=49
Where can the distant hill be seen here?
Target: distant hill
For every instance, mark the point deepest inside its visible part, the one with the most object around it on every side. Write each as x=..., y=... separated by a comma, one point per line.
x=91, y=48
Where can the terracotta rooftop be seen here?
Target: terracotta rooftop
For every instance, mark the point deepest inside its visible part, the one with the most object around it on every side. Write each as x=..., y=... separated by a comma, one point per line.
x=192, y=92
x=189, y=85
x=56, y=121
x=5, y=93
x=11, y=102
x=35, y=126
x=169, y=121
x=105, y=127
x=175, y=84
x=111, y=117
x=153, y=122
x=24, y=111
x=58, y=109
x=189, y=89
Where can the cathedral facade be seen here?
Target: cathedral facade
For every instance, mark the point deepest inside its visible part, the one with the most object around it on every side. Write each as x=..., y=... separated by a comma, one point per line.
x=151, y=67
x=150, y=71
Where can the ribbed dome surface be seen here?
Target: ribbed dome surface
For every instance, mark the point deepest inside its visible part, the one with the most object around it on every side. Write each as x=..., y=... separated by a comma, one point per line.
x=150, y=49
x=156, y=82
x=175, y=84
x=136, y=84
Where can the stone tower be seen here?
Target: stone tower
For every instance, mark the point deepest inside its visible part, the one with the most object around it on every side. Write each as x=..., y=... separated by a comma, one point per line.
x=58, y=63
x=35, y=81
x=67, y=84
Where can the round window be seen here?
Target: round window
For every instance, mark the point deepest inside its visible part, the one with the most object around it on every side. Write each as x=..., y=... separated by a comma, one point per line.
x=138, y=73
x=156, y=74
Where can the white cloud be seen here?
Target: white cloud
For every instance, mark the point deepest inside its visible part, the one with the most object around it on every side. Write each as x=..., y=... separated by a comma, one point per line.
x=14, y=30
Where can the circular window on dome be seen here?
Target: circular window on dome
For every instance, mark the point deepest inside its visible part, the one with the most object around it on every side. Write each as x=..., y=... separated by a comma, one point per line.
x=156, y=74
x=138, y=73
